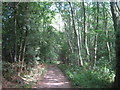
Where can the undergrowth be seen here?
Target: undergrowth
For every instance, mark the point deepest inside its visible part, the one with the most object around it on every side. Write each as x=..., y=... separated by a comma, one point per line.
x=81, y=77
x=27, y=79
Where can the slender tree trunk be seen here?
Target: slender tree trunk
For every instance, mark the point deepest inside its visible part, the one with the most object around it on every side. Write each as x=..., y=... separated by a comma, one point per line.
x=80, y=62
x=70, y=46
x=106, y=32
x=23, y=51
x=20, y=50
x=79, y=40
x=73, y=21
x=96, y=38
x=10, y=51
x=84, y=22
x=15, y=21
x=20, y=57
x=68, y=34
x=85, y=35
x=116, y=21
x=79, y=52
x=88, y=37
x=95, y=50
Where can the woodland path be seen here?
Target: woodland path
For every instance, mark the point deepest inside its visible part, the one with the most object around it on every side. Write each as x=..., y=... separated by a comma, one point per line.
x=54, y=78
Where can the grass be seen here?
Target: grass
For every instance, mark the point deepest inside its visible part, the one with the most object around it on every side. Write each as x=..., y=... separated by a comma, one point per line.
x=81, y=77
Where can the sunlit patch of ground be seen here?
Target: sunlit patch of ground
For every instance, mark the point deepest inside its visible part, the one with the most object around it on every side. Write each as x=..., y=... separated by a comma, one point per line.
x=35, y=75
x=38, y=78
x=54, y=78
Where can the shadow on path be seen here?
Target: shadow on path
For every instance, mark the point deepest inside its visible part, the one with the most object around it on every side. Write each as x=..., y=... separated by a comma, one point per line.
x=54, y=78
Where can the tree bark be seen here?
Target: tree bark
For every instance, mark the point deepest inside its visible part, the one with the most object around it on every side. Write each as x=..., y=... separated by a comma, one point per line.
x=80, y=62
x=106, y=32
x=116, y=21
x=69, y=42
x=73, y=21
x=85, y=34
x=23, y=51
x=15, y=32
x=96, y=37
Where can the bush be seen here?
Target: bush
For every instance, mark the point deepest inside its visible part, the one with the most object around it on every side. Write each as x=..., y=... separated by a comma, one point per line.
x=80, y=77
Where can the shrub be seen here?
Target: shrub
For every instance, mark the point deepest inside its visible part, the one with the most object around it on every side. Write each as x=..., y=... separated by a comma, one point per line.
x=80, y=77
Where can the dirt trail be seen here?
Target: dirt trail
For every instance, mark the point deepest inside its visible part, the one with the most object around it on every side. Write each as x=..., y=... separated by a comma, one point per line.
x=54, y=78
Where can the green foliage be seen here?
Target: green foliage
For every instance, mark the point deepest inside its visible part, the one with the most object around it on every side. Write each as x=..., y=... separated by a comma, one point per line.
x=7, y=70
x=56, y=62
x=32, y=39
x=35, y=74
x=82, y=77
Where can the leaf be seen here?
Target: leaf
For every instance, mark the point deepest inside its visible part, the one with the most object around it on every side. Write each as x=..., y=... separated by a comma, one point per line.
x=99, y=30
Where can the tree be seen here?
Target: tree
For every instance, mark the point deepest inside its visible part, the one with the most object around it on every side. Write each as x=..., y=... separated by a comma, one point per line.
x=85, y=33
x=116, y=20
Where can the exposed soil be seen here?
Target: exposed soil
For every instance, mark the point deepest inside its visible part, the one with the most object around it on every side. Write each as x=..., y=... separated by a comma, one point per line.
x=54, y=78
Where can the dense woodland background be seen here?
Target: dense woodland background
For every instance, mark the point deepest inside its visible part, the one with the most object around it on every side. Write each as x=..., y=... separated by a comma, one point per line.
x=85, y=43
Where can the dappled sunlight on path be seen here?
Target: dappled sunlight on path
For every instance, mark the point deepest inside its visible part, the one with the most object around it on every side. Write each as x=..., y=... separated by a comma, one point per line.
x=54, y=78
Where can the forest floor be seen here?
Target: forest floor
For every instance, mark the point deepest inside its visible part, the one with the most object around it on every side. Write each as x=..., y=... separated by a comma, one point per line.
x=27, y=80
x=54, y=78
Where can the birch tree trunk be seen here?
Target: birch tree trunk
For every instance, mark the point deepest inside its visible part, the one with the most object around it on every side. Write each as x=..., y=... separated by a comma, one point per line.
x=23, y=51
x=80, y=62
x=85, y=34
x=96, y=38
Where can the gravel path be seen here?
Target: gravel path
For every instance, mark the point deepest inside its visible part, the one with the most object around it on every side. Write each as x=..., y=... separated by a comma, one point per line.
x=54, y=78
